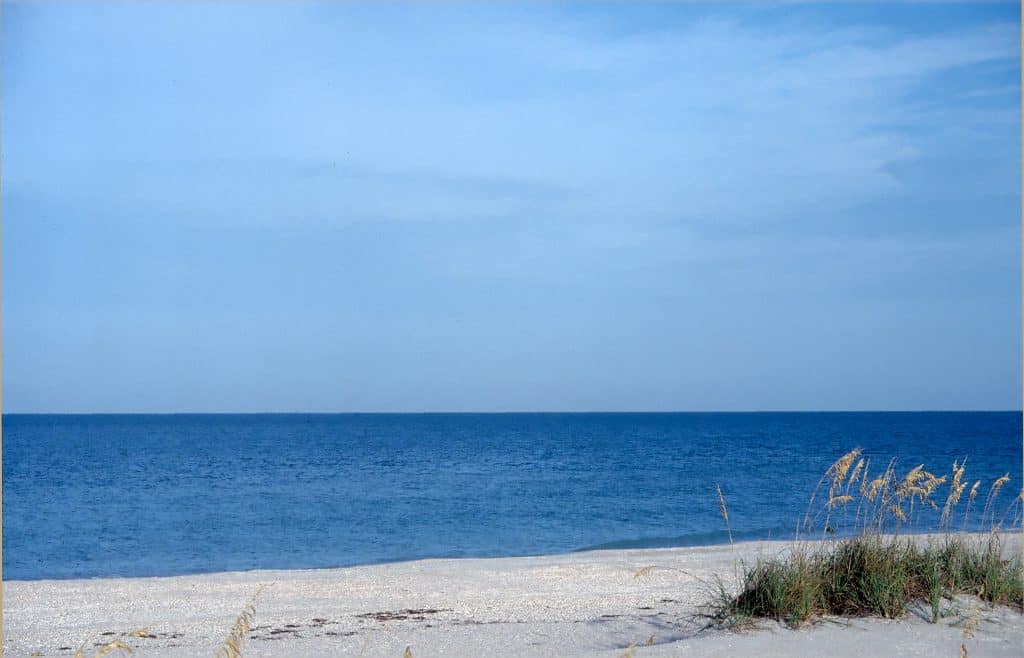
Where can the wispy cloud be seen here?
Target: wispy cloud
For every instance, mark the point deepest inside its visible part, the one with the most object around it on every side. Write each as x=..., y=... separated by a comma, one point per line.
x=641, y=173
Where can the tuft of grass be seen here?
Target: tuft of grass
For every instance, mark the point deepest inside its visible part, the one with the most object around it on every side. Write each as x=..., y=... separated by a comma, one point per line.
x=874, y=571
x=872, y=576
x=235, y=641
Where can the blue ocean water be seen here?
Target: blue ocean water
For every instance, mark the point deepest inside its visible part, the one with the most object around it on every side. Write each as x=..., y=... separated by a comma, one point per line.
x=142, y=495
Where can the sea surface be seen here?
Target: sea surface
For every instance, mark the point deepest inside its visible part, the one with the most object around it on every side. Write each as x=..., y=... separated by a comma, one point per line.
x=147, y=495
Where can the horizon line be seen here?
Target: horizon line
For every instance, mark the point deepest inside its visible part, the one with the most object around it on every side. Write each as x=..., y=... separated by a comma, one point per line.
x=499, y=413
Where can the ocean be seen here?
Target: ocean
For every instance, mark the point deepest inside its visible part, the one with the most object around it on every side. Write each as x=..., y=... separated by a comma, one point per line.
x=89, y=496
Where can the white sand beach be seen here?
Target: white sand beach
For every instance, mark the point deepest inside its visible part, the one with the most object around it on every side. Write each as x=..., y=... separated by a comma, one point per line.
x=580, y=604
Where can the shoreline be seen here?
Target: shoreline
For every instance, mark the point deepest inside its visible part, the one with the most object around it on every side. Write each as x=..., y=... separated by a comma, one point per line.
x=587, y=603
x=612, y=546
x=381, y=563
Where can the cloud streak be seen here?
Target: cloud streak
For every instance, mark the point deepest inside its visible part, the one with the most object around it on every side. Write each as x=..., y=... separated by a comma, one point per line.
x=625, y=179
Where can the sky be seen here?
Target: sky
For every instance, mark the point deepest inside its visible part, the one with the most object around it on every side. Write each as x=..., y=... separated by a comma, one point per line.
x=294, y=206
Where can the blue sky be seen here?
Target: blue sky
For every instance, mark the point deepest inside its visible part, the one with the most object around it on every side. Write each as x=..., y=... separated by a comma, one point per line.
x=270, y=206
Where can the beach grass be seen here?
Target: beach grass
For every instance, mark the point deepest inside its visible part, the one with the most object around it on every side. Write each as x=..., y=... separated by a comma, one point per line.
x=875, y=568
x=873, y=576
x=235, y=641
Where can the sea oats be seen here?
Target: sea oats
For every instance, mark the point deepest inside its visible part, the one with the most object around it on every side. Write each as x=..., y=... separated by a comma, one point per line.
x=839, y=500
x=993, y=493
x=910, y=480
x=724, y=511
x=933, y=483
x=838, y=470
x=876, y=485
x=970, y=500
x=232, y=647
x=865, y=478
x=856, y=472
x=876, y=572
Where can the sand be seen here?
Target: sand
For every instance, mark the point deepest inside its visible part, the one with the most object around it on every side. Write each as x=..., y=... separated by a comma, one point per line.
x=579, y=604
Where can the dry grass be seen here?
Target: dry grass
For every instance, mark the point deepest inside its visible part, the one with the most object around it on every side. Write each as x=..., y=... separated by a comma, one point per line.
x=116, y=645
x=235, y=641
x=875, y=570
x=724, y=511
